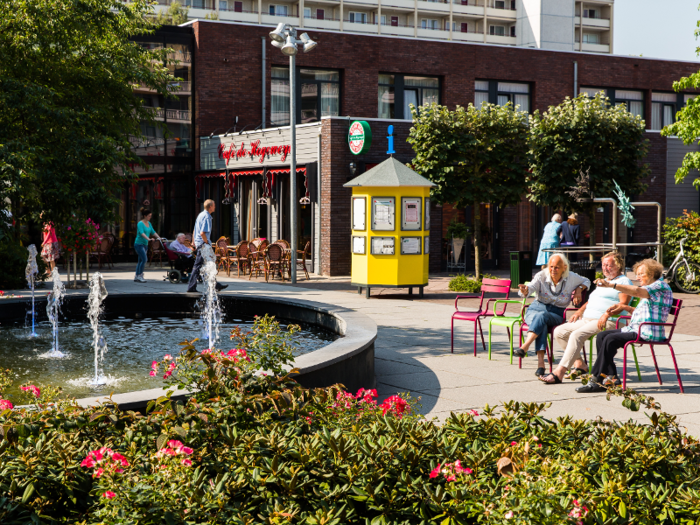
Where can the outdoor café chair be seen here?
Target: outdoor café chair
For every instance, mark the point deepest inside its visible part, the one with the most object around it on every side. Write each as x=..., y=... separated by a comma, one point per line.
x=241, y=258
x=274, y=261
x=499, y=286
x=675, y=310
x=155, y=249
x=222, y=255
x=256, y=260
x=509, y=321
x=301, y=263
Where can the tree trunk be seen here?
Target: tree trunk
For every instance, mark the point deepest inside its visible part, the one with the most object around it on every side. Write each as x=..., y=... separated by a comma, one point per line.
x=592, y=228
x=87, y=266
x=477, y=239
x=67, y=253
x=75, y=269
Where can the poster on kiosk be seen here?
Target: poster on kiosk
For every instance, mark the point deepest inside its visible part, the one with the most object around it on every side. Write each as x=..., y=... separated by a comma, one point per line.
x=390, y=221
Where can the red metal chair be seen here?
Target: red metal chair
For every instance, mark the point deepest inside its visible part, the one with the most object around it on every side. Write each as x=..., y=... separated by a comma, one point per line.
x=498, y=286
x=675, y=310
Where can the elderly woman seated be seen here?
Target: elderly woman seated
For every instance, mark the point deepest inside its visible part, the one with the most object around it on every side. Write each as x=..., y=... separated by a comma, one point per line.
x=654, y=307
x=178, y=245
x=591, y=318
x=554, y=287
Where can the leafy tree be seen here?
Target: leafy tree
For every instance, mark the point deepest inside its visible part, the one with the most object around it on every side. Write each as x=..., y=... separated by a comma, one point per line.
x=586, y=136
x=175, y=15
x=687, y=126
x=473, y=155
x=67, y=75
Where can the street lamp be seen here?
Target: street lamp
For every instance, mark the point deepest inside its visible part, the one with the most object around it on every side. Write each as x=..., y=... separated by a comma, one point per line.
x=285, y=38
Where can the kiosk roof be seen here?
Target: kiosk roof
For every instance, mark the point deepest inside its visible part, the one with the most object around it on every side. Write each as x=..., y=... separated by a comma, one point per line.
x=391, y=172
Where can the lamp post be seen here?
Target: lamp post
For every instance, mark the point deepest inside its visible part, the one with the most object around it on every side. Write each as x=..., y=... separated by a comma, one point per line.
x=285, y=38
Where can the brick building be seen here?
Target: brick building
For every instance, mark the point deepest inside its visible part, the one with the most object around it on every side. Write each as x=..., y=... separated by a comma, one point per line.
x=241, y=80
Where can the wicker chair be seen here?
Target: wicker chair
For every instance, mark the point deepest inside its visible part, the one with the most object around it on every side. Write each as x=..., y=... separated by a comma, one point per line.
x=256, y=260
x=287, y=257
x=241, y=258
x=223, y=259
x=155, y=249
x=274, y=261
x=102, y=252
x=301, y=263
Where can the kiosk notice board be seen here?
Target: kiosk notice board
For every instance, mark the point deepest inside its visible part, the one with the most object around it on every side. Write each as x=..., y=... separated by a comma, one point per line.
x=390, y=228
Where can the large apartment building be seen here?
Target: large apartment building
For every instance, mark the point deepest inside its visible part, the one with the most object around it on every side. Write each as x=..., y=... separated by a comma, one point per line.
x=561, y=25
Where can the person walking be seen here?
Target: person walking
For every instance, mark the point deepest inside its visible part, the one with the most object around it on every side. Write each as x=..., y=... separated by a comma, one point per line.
x=202, y=236
x=550, y=239
x=144, y=231
x=50, y=247
x=571, y=234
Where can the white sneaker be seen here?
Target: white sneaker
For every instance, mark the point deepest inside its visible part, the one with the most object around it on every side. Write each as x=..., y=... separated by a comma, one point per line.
x=141, y=279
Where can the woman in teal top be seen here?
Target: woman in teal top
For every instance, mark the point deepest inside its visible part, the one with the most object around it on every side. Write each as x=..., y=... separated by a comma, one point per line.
x=144, y=231
x=550, y=239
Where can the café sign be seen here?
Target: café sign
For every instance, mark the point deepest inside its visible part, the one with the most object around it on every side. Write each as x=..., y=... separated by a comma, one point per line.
x=254, y=151
x=359, y=137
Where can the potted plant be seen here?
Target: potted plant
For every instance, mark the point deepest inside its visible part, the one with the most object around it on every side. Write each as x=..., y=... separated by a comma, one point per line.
x=458, y=231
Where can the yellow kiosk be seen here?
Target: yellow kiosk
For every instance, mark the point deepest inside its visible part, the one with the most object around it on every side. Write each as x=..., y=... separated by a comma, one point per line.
x=390, y=228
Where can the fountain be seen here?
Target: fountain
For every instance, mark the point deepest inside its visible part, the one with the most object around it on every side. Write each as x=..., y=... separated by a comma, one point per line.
x=53, y=309
x=211, y=310
x=98, y=293
x=30, y=272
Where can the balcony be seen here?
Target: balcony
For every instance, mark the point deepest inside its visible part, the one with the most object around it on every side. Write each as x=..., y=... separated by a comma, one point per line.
x=275, y=19
x=437, y=33
x=176, y=88
x=595, y=48
x=471, y=35
x=397, y=30
x=437, y=7
x=502, y=40
x=322, y=23
x=173, y=115
x=400, y=5
x=190, y=4
x=359, y=27
x=592, y=23
x=242, y=15
x=474, y=8
x=363, y=3
x=184, y=57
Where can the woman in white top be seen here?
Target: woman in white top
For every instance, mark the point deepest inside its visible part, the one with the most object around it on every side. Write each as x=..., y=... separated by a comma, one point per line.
x=590, y=319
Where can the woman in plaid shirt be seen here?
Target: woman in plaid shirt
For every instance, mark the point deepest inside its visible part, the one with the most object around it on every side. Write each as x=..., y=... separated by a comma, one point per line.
x=654, y=307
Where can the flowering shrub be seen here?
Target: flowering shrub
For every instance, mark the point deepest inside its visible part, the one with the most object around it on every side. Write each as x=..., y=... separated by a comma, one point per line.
x=78, y=236
x=251, y=448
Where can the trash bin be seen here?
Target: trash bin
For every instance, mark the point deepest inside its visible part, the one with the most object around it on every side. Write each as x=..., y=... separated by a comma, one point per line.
x=520, y=267
x=585, y=269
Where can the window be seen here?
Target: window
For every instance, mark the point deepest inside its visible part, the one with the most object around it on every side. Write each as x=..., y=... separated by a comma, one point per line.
x=497, y=30
x=395, y=21
x=501, y=93
x=398, y=92
x=634, y=100
x=591, y=13
x=383, y=20
x=591, y=92
x=318, y=96
x=320, y=14
x=512, y=30
x=357, y=18
x=591, y=38
x=663, y=110
x=278, y=10
x=499, y=4
x=307, y=12
x=238, y=7
x=465, y=27
x=426, y=23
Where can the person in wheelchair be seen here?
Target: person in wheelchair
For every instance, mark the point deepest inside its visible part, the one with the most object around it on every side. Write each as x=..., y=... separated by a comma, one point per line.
x=181, y=260
x=178, y=245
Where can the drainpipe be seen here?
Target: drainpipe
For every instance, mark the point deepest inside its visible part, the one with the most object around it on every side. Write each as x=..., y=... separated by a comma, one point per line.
x=575, y=78
x=264, y=109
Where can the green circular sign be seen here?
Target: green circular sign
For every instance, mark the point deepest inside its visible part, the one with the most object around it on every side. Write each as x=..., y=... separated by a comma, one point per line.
x=359, y=137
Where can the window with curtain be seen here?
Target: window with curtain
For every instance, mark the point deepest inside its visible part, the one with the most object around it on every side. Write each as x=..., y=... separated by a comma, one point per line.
x=481, y=92
x=634, y=100
x=386, y=96
x=319, y=95
x=501, y=93
x=398, y=92
x=279, y=96
x=591, y=91
x=663, y=110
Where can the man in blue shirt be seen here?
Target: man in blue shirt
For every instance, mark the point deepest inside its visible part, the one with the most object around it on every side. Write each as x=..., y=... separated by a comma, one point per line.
x=202, y=236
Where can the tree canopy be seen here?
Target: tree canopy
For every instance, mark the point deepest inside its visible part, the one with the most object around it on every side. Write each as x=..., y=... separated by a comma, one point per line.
x=687, y=127
x=67, y=75
x=473, y=155
x=585, y=136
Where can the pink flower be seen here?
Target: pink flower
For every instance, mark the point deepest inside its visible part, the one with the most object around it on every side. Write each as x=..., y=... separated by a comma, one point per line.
x=173, y=443
x=508, y=515
x=167, y=357
x=6, y=405
x=152, y=373
x=435, y=472
x=186, y=450
x=395, y=404
x=474, y=413
x=98, y=472
x=513, y=443
x=109, y=495
x=31, y=388
x=186, y=462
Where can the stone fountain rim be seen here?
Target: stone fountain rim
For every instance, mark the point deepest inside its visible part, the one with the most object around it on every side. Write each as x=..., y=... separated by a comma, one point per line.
x=357, y=331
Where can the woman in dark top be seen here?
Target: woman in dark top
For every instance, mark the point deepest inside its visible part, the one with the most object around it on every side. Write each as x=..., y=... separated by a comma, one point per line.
x=570, y=231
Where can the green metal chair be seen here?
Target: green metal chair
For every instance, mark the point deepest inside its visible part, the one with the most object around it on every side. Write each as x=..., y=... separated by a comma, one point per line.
x=508, y=321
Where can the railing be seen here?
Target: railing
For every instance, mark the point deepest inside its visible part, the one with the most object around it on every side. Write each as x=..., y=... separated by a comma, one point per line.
x=437, y=1
x=178, y=87
x=600, y=42
x=193, y=4
x=288, y=15
x=433, y=28
x=506, y=5
x=473, y=3
x=172, y=114
x=330, y=19
x=182, y=56
x=232, y=9
x=458, y=29
x=389, y=24
x=367, y=22
x=597, y=17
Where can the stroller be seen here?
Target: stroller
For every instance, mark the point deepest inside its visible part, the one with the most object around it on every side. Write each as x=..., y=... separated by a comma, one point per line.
x=180, y=265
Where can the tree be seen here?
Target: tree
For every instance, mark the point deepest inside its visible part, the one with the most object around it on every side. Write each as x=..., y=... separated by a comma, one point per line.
x=687, y=126
x=67, y=75
x=175, y=15
x=588, y=137
x=473, y=155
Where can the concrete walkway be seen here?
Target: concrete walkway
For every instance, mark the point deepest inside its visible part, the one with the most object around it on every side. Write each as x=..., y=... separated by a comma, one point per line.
x=413, y=355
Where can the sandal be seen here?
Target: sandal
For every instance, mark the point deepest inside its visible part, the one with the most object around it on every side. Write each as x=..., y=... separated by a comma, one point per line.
x=550, y=379
x=539, y=372
x=519, y=352
x=581, y=371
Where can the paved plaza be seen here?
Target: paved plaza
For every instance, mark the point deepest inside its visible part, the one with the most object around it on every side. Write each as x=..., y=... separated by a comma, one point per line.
x=412, y=351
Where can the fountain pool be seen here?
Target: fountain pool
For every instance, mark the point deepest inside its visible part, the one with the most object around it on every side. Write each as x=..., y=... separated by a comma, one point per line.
x=136, y=329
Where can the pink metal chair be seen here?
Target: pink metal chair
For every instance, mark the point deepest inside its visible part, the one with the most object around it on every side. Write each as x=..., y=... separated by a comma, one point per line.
x=497, y=286
x=675, y=310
